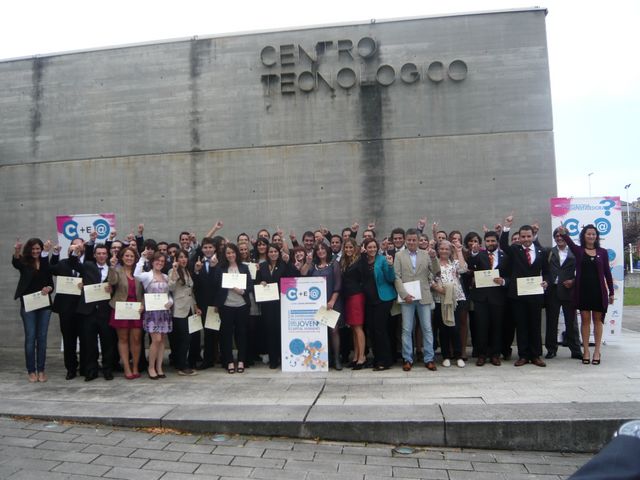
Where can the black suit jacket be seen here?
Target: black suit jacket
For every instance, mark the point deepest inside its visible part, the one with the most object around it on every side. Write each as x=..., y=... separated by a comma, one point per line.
x=494, y=295
x=283, y=269
x=90, y=275
x=221, y=293
x=26, y=275
x=519, y=267
x=566, y=271
x=62, y=302
x=204, y=287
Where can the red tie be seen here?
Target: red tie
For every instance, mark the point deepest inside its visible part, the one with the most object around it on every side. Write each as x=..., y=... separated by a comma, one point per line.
x=527, y=251
x=490, y=260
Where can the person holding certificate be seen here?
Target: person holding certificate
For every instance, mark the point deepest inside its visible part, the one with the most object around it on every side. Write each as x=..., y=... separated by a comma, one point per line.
x=416, y=268
x=95, y=310
x=354, y=299
x=450, y=298
x=319, y=264
x=232, y=303
x=527, y=281
x=378, y=278
x=32, y=261
x=128, y=294
x=65, y=304
x=594, y=286
x=157, y=319
x=489, y=296
x=184, y=305
x=270, y=272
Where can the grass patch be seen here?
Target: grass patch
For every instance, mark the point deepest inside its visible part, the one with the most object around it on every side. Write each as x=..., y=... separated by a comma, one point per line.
x=631, y=296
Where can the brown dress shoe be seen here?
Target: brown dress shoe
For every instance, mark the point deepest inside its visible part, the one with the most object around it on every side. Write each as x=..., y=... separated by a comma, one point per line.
x=481, y=361
x=496, y=361
x=520, y=362
x=406, y=366
x=431, y=366
x=538, y=362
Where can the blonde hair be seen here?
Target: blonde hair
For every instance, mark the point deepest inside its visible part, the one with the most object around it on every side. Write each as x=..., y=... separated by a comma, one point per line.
x=347, y=262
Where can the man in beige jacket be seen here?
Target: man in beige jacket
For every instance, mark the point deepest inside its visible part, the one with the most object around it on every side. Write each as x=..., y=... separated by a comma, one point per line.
x=414, y=265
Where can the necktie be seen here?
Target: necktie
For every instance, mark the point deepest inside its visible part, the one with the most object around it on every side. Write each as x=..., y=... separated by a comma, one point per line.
x=490, y=260
x=206, y=265
x=527, y=251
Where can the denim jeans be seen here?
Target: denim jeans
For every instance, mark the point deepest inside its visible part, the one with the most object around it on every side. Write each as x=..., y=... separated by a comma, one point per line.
x=408, y=321
x=36, y=325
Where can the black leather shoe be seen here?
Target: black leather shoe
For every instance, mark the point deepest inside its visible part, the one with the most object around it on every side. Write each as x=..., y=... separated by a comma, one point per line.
x=204, y=366
x=90, y=376
x=70, y=375
x=550, y=355
x=108, y=376
x=576, y=356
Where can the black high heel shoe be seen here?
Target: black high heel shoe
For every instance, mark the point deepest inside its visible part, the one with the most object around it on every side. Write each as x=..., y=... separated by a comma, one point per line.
x=586, y=361
x=595, y=361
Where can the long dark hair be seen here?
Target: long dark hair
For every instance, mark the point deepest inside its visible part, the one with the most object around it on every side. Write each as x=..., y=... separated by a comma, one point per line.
x=326, y=248
x=279, y=259
x=183, y=272
x=255, y=254
x=583, y=242
x=224, y=263
x=26, y=257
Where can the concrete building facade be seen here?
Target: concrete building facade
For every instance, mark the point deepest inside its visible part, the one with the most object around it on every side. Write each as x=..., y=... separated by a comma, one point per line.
x=448, y=117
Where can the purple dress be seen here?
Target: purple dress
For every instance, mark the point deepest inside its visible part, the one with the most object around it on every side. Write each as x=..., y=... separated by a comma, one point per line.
x=159, y=321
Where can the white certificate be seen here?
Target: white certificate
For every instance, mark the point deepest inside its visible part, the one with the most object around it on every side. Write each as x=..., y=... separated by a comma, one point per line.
x=266, y=293
x=212, y=322
x=253, y=269
x=128, y=310
x=530, y=286
x=154, y=302
x=484, y=278
x=413, y=289
x=96, y=293
x=327, y=317
x=68, y=285
x=34, y=301
x=195, y=323
x=234, y=280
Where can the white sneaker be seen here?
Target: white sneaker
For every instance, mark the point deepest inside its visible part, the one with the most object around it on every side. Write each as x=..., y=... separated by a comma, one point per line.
x=460, y=363
x=446, y=362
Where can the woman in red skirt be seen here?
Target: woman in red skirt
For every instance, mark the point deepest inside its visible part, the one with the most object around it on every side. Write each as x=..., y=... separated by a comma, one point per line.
x=353, y=299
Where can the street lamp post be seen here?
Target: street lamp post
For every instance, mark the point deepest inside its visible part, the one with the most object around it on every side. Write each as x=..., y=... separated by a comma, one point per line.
x=626, y=187
x=589, y=179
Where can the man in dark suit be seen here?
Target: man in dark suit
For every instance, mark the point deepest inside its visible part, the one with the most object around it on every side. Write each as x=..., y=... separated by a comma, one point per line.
x=559, y=294
x=66, y=307
x=205, y=291
x=95, y=315
x=526, y=260
x=489, y=303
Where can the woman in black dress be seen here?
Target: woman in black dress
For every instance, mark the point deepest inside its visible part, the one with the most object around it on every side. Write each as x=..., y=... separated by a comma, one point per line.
x=272, y=271
x=594, y=286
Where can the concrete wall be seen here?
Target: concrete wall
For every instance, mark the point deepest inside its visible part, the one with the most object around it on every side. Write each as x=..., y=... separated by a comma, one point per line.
x=179, y=134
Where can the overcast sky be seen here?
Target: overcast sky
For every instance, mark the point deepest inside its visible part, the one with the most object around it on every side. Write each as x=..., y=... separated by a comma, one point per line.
x=593, y=52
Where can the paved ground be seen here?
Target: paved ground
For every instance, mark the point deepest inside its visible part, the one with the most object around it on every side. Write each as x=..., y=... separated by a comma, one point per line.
x=55, y=451
x=566, y=406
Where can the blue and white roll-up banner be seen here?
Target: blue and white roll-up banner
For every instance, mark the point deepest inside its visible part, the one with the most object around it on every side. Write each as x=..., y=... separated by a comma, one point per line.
x=606, y=214
x=304, y=339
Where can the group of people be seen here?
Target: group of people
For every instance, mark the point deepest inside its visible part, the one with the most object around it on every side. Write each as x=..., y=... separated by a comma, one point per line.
x=379, y=288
